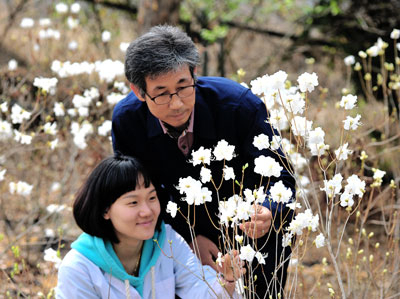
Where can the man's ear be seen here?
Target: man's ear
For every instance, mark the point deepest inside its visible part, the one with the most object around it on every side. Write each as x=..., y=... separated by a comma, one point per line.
x=136, y=91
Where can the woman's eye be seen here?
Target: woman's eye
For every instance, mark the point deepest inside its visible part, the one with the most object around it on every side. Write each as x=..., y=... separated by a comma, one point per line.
x=133, y=203
x=153, y=198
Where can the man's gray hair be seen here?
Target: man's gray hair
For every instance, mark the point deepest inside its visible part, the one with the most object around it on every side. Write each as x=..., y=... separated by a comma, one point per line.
x=161, y=50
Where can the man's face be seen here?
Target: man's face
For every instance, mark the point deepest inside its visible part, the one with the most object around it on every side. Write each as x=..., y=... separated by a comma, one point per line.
x=177, y=112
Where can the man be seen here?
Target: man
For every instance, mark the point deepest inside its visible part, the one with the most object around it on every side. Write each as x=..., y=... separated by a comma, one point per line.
x=171, y=112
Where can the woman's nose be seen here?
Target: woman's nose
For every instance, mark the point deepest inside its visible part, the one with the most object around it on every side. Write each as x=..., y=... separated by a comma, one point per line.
x=145, y=210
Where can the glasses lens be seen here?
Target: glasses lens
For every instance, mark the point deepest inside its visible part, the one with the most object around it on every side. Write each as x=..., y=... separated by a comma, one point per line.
x=161, y=100
x=185, y=92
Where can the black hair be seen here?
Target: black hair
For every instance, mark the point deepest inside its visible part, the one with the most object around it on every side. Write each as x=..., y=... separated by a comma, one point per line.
x=161, y=50
x=111, y=178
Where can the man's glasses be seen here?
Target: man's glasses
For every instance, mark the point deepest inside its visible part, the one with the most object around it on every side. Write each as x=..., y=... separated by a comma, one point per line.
x=165, y=98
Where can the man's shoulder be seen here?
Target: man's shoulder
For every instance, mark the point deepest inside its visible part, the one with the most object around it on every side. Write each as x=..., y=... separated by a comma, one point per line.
x=228, y=93
x=129, y=103
x=220, y=84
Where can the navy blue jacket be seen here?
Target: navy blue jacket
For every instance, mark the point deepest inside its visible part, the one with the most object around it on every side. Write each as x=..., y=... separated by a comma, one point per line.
x=223, y=110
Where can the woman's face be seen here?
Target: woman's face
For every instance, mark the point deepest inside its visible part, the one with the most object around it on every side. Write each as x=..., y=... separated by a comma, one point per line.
x=134, y=215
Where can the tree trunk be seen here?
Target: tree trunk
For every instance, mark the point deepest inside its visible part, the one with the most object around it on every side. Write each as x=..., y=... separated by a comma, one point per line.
x=155, y=12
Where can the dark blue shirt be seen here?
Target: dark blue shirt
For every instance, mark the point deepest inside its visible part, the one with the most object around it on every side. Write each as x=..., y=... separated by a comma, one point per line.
x=225, y=110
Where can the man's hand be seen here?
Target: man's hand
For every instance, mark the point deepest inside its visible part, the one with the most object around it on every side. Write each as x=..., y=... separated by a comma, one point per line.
x=206, y=251
x=231, y=266
x=259, y=224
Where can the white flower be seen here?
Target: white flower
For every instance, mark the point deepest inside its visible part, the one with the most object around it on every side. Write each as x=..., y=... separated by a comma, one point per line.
x=349, y=60
x=53, y=208
x=205, y=175
x=316, y=136
x=307, y=82
x=294, y=205
x=4, y=107
x=276, y=142
x=72, y=45
x=278, y=119
x=333, y=186
x=395, y=34
x=105, y=128
x=123, y=46
x=44, y=22
x=224, y=151
x=18, y=114
x=219, y=259
x=247, y=253
x=75, y=7
x=121, y=86
x=261, y=142
x=378, y=175
x=398, y=46
x=2, y=173
x=172, y=208
x=277, y=80
x=355, y=185
x=201, y=156
x=22, y=138
x=257, y=195
x=287, y=239
x=320, y=241
x=373, y=51
x=294, y=103
x=229, y=174
x=12, y=65
x=53, y=144
x=27, y=23
x=20, y=188
x=352, y=122
x=80, y=132
x=267, y=166
x=303, y=220
x=342, y=152
x=318, y=149
x=260, y=258
x=49, y=233
x=244, y=210
x=72, y=22
x=61, y=8
x=114, y=97
x=50, y=128
x=5, y=130
x=50, y=255
x=239, y=239
x=348, y=101
x=106, y=36
x=300, y=126
x=46, y=84
x=280, y=194
x=56, y=186
x=346, y=199
x=59, y=109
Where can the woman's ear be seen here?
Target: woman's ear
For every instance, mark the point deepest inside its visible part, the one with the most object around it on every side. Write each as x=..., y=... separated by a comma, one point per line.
x=106, y=214
x=136, y=91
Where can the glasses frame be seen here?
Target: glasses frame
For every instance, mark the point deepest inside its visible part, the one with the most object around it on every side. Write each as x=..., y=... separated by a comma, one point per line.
x=172, y=94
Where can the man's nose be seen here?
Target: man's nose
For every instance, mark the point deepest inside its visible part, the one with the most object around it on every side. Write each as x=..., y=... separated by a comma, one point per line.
x=176, y=102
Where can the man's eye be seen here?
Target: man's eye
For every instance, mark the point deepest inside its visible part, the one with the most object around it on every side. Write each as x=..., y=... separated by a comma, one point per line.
x=163, y=94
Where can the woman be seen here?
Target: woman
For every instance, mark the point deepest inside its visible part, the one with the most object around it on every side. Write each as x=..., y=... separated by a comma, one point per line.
x=126, y=251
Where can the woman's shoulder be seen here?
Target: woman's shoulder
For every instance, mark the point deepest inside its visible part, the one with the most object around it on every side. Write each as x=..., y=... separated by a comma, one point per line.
x=76, y=260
